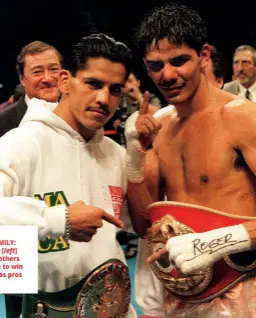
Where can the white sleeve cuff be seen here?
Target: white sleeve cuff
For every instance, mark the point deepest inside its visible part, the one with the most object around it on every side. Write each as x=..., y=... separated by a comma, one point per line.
x=55, y=220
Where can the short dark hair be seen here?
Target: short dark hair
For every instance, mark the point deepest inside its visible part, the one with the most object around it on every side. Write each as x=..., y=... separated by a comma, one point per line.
x=217, y=62
x=99, y=45
x=175, y=22
x=34, y=48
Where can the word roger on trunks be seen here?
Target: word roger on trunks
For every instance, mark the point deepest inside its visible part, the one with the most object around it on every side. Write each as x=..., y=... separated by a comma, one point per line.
x=201, y=240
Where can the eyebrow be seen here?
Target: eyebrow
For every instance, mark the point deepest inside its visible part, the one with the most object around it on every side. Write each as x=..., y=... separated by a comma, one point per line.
x=153, y=61
x=98, y=80
x=171, y=59
x=183, y=55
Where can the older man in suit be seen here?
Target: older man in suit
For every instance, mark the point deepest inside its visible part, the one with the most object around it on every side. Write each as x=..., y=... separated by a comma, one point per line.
x=38, y=65
x=244, y=72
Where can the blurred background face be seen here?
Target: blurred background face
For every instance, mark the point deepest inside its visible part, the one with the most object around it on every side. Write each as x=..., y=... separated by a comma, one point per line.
x=40, y=76
x=132, y=86
x=243, y=68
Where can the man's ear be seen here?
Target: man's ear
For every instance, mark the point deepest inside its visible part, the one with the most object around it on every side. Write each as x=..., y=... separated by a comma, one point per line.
x=21, y=78
x=205, y=55
x=63, y=82
x=220, y=81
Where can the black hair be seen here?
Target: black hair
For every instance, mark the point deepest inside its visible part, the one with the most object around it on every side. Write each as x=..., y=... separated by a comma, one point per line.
x=217, y=62
x=175, y=22
x=99, y=45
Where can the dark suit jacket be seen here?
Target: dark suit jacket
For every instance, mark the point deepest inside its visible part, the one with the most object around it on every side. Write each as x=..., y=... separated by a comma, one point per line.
x=11, y=116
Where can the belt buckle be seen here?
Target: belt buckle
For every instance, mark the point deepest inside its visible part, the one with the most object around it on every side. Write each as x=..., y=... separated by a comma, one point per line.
x=165, y=271
x=106, y=292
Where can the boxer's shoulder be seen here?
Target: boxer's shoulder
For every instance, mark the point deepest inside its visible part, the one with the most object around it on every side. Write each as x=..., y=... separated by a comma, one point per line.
x=239, y=118
x=239, y=109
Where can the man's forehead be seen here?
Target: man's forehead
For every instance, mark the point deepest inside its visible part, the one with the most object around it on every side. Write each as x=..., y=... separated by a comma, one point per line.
x=113, y=80
x=100, y=62
x=246, y=55
x=103, y=70
x=48, y=56
x=165, y=48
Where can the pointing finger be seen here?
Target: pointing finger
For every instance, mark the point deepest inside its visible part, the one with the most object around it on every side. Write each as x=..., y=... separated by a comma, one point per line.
x=113, y=220
x=145, y=105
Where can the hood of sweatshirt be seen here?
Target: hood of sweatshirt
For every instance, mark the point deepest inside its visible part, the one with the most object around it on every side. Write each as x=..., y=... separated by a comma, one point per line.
x=42, y=111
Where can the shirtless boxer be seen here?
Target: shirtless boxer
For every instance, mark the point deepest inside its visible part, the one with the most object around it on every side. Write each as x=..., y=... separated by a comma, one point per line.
x=203, y=153
x=149, y=290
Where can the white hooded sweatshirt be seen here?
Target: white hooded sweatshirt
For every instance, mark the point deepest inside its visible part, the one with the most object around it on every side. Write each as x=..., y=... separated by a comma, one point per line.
x=46, y=165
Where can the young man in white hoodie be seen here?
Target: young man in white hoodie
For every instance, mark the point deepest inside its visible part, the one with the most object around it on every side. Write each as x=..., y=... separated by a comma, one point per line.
x=58, y=171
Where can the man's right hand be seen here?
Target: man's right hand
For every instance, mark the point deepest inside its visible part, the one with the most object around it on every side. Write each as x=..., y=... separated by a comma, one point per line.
x=146, y=125
x=85, y=219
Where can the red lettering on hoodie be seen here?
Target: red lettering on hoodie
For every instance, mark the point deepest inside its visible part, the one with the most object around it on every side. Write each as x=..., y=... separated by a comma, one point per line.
x=116, y=194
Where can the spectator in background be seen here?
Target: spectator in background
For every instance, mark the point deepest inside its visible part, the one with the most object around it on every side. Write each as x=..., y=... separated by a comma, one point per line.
x=38, y=65
x=133, y=97
x=17, y=93
x=215, y=70
x=244, y=73
x=130, y=102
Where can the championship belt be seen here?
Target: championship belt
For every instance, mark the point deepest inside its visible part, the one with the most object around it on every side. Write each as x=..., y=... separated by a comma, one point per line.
x=103, y=293
x=174, y=218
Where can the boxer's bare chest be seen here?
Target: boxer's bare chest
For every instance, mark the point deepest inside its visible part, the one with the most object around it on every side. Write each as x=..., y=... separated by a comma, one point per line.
x=197, y=153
